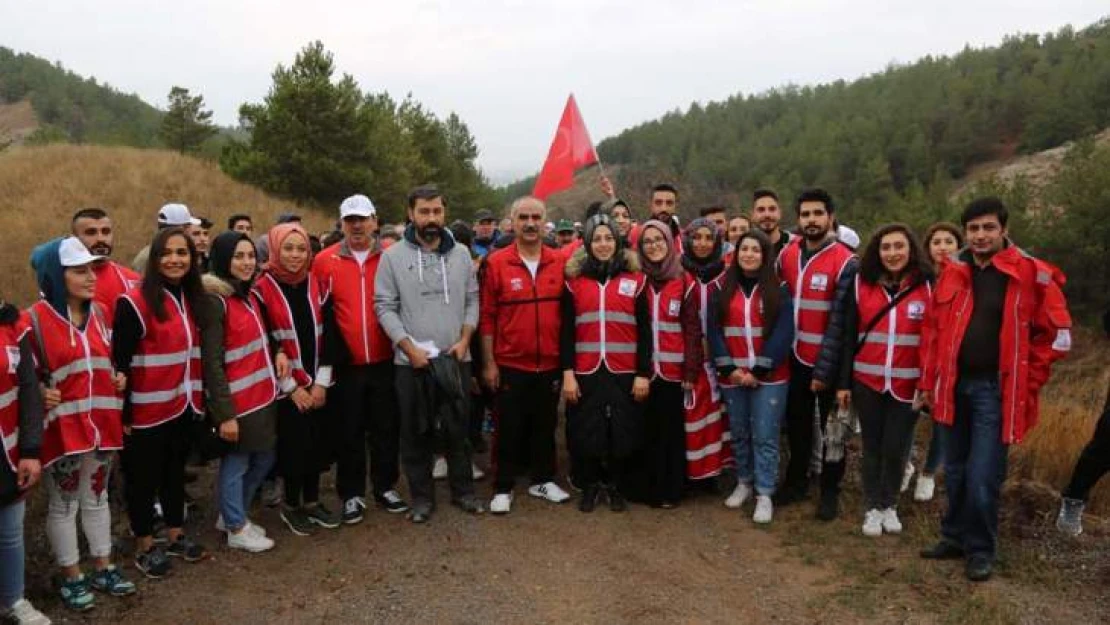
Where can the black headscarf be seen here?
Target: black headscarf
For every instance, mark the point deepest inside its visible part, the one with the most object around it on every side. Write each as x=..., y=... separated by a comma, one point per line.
x=597, y=269
x=219, y=260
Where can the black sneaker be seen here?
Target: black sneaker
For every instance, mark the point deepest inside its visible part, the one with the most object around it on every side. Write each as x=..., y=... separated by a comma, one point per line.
x=617, y=502
x=153, y=562
x=297, y=521
x=978, y=568
x=319, y=515
x=392, y=502
x=186, y=549
x=943, y=550
x=829, y=507
x=590, y=495
x=353, y=510
x=789, y=494
x=469, y=504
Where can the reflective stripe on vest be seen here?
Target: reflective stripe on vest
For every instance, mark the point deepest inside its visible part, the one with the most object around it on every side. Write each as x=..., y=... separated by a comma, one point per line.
x=605, y=322
x=8, y=397
x=165, y=377
x=743, y=333
x=247, y=364
x=895, y=372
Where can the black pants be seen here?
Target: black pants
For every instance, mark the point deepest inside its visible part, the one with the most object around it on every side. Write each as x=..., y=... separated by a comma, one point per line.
x=298, y=452
x=366, y=408
x=799, y=431
x=153, y=461
x=887, y=427
x=448, y=431
x=1093, y=463
x=664, y=456
x=527, y=410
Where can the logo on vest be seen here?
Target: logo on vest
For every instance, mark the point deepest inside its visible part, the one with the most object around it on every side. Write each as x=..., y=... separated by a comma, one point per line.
x=819, y=282
x=627, y=287
x=673, y=307
x=516, y=284
x=916, y=310
x=13, y=358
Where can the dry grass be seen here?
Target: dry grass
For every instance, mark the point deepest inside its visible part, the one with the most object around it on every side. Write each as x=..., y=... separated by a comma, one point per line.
x=41, y=187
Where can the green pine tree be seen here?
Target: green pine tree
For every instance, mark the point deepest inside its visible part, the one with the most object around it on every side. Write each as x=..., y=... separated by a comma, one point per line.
x=186, y=125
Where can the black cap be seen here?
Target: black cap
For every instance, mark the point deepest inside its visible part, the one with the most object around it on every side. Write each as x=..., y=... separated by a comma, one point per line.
x=286, y=218
x=483, y=215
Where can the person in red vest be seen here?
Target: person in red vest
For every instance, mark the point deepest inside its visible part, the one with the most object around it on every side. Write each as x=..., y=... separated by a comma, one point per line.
x=884, y=335
x=240, y=380
x=71, y=346
x=677, y=340
x=819, y=271
x=519, y=327
x=707, y=448
x=767, y=216
x=21, y=423
x=751, y=328
x=605, y=352
x=93, y=227
x=156, y=344
x=365, y=398
x=296, y=315
x=1000, y=320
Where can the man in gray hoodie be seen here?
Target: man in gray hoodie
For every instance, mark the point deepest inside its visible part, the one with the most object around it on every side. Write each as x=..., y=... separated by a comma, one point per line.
x=426, y=299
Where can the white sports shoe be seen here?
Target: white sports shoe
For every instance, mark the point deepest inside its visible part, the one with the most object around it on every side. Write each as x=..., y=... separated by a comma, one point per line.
x=873, y=523
x=439, y=469
x=549, y=491
x=907, y=475
x=764, y=509
x=23, y=613
x=739, y=495
x=891, y=524
x=249, y=540
x=926, y=487
x=222, y=527
x=501, y=503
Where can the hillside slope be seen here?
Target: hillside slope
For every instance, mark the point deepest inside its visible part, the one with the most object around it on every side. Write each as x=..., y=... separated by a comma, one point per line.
x=41, y=187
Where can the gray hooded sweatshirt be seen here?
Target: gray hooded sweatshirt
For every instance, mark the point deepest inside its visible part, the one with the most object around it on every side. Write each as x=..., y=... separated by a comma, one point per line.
x=425, y=295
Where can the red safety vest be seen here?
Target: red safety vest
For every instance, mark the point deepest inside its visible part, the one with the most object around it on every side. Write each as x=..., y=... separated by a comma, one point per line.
x=279, y=317
x=79, y=365
x=10, y=335
x=745, y=331
x=813, y=287
x=247, y=362
x=605, y=322
x=890, y=357
x=112, y=280
x=668, y=342
x=166, y=375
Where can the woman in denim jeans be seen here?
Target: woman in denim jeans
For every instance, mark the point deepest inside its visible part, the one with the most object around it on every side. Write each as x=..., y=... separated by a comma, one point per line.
x=750, y=330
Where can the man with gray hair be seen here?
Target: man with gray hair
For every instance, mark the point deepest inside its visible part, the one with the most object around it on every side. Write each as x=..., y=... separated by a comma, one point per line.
x=426, y=298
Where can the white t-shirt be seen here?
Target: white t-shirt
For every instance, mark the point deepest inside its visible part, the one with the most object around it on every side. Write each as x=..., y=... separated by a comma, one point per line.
x=361, y=256
x=532, y=265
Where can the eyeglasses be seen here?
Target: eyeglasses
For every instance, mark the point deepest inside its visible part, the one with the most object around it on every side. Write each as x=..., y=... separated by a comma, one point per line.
x=655, y=242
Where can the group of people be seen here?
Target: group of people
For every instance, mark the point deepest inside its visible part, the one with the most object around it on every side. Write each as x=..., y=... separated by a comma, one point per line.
x=678, y=352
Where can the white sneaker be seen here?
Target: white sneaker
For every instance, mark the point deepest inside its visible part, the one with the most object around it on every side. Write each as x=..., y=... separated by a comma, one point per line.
x=477, y=472
x=23, y=613
x=249, y=540
x=222, y=527
x=907, y=475
x=926, y=487
x=739, y=495
x=891, y=524
x=764, y=509
x=873, y=523
x=501, y=503
x=439, y=469
x=549, y=491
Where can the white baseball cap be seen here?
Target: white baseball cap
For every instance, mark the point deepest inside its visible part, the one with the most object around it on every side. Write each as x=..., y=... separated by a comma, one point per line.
x=847, y=236
x=176, y=215
x=73, y=253
x=357, y=206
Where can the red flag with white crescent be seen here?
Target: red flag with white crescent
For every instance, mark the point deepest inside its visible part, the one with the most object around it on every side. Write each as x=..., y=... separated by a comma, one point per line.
x=571, y=150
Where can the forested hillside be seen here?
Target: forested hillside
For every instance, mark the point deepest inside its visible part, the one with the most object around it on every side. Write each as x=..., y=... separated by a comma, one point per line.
x=75, y=109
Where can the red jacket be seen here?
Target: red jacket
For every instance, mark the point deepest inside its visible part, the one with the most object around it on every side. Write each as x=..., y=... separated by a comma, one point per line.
x=1035, y=333
x=520, y=313
x=112, y=280
x=351, y=287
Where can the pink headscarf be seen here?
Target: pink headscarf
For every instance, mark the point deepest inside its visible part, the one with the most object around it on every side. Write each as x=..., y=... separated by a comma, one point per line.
x=276, y=236
x=671, y=266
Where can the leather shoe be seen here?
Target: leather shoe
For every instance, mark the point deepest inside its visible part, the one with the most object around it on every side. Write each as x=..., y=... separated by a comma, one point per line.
x=469, y=504
x=616, y=500
x=588, y=502
x=978, y=568
x=943, y=550
x=829, y=507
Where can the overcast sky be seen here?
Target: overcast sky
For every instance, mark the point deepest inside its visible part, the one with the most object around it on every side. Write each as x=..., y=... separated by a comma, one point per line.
x=506, y=66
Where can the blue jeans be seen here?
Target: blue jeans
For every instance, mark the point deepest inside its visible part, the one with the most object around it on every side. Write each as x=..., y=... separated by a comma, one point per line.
x=975, y=468
x=240, y=476
x=11, y=553
x=754, y=416
x=934, y=458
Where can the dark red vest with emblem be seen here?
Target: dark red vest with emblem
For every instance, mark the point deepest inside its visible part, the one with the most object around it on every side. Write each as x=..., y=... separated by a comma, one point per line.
x=247, y=363
x=744, y=331
x=10, y=335
x=813, y=288
x=605, y=322
x=166, y=376
x=889, y=359
x=279, y=317
x=78, y=363
x=668, y=342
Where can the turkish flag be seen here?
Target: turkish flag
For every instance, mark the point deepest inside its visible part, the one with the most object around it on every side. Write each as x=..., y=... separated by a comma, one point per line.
x=571, y=150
